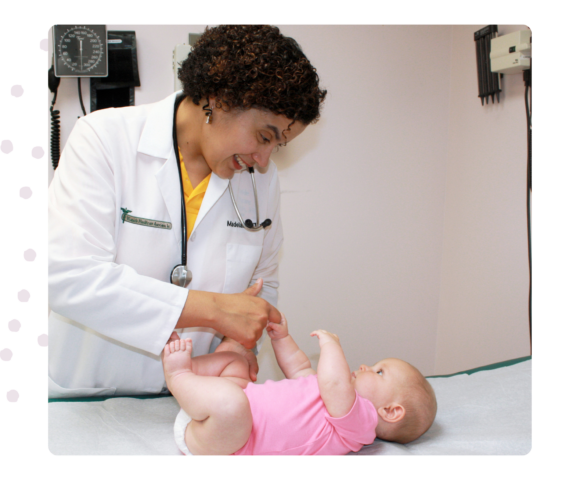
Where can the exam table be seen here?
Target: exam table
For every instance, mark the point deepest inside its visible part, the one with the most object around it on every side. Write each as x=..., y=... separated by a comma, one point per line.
x=484, y=411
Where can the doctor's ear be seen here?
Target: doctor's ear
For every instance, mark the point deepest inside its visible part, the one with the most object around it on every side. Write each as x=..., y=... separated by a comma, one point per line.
x=216, y=103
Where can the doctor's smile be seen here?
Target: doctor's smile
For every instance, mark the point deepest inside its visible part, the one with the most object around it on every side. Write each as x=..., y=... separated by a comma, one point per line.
x=240, y=163
x=233, y=140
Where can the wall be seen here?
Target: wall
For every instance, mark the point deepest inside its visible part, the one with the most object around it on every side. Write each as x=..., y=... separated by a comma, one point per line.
x=371, y=210
x=363, y=194
x=483, y=316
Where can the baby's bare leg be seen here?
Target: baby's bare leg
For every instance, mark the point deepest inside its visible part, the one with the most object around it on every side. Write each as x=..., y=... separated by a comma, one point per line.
x=220, y=411
x=230, y=365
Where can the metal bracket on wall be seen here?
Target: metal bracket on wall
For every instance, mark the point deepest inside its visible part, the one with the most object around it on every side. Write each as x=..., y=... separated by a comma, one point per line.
x=489, y=82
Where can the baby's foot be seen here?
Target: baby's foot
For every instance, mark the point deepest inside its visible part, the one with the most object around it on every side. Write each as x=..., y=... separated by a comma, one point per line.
x=176, y=358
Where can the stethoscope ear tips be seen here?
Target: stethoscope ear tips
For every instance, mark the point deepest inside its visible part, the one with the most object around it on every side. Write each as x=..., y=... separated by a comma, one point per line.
x=266, y=223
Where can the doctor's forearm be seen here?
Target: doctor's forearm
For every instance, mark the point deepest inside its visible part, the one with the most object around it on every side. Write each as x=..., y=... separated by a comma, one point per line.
x=238, y=316
x=196, y=311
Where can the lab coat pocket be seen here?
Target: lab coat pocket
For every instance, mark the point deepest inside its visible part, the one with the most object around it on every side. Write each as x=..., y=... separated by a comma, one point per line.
x=240, y=266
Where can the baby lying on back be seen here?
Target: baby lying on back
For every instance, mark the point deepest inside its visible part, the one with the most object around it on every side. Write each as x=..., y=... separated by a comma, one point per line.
x=332, y=412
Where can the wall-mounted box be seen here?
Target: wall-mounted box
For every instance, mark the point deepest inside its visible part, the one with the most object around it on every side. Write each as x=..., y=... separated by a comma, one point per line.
x=511, y=53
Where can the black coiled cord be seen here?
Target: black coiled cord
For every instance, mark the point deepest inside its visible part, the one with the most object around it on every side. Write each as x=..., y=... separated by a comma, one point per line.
x=53, y=82
x=54, y=134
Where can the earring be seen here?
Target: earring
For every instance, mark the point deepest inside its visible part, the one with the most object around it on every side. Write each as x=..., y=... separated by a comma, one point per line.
x=208, y=112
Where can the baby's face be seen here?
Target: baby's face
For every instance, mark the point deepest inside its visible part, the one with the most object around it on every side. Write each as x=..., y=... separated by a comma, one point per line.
x=381, y=382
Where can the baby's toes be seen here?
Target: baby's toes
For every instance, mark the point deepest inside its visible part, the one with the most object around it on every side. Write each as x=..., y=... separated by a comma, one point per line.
x=175, y=346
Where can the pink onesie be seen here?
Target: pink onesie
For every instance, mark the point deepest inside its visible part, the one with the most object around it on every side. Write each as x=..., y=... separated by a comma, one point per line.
x=289, y=418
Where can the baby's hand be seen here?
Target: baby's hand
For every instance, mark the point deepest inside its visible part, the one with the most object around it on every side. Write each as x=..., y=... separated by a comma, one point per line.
x=325, y=337
x=276, y=331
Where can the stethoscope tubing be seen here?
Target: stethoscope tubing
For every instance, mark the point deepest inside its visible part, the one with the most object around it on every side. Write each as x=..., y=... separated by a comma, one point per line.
x=251, y=170
x=180, y=275
x=257, y=226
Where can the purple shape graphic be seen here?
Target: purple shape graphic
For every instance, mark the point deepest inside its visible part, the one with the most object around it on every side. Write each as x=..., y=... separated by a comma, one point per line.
x=29, y=255
x=29, y=370
x=25, y=193
x=43, y=340
x=6, y=355
x=17, y=91
x=12, y=396
x=13, y=325
x=44, y=44
x=23, y=295
x=6, y=146
x=37, y=152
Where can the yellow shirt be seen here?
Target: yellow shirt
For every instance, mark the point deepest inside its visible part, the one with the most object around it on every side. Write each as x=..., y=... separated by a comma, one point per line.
x=193, y=197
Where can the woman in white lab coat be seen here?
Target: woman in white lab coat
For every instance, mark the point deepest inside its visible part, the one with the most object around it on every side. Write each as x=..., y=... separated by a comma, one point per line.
x=115, y=225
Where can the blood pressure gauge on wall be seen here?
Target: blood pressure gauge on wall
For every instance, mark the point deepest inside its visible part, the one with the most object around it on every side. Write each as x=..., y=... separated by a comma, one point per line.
x=80, y=51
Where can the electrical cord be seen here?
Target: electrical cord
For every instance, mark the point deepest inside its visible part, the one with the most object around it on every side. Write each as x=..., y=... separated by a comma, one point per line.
x=81, y=97
x=53, y=83
x=55, y=134
x=528, y=98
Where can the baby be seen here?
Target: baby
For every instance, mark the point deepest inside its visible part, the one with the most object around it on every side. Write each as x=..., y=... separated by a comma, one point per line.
x=331, y=412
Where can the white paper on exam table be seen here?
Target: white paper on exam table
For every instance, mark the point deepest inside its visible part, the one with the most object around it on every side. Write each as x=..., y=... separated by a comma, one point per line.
x=485, y=413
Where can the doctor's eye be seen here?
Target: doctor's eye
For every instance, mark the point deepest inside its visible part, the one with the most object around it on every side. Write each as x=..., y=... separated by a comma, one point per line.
x=279, y=146
x=265, y=139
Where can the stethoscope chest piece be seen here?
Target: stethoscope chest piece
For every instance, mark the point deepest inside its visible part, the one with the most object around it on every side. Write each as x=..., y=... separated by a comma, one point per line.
x=180, y=276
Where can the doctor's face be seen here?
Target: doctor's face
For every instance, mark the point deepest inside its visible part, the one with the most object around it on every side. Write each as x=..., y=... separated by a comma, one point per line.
x=245, y=138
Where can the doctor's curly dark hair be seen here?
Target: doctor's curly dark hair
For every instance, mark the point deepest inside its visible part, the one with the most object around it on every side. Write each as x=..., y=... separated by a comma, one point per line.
x=247, y=66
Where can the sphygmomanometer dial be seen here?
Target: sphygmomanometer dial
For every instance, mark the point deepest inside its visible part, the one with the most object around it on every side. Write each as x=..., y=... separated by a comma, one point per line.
x=80, y=51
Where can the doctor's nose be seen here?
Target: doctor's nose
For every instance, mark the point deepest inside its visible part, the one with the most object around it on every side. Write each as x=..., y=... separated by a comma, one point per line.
x=261, y=158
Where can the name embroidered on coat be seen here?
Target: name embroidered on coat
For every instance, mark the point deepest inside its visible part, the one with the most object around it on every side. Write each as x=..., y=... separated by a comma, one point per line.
x=146, y=222
x=235, y=224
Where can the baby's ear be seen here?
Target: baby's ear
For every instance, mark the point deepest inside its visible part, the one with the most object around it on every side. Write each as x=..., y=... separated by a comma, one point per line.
x=392, y=413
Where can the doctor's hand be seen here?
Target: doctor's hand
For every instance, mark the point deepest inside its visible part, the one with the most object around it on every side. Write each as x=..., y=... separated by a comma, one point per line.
x=229, y=345
x=240, y=316
x=245, y=315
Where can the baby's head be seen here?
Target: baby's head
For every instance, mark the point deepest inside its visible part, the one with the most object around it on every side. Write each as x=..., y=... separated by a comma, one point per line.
x=404, y=399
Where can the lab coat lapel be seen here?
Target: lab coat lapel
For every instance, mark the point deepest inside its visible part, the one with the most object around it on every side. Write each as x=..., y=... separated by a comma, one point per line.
x=157, y=141
x=169, y=186
x=215, y=189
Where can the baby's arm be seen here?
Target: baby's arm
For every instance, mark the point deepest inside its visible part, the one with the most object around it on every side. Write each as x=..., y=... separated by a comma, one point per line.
x=293, y=361
x=334, y=376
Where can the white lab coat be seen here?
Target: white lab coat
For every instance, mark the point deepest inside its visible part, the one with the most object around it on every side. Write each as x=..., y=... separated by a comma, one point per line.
x=112, y=304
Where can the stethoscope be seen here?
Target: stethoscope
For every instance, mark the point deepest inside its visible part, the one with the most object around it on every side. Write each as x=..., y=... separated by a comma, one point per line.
x=180, y=275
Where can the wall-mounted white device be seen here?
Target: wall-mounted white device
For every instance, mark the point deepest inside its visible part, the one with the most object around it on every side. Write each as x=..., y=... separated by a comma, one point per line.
x=511, y=53
x=180, y=53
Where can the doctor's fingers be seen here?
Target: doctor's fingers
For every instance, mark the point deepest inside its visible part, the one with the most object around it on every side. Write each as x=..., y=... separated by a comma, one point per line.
x=247, y=329
x=274, y=315
x=259, y=309
x=253, y=366
x=248, y=342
